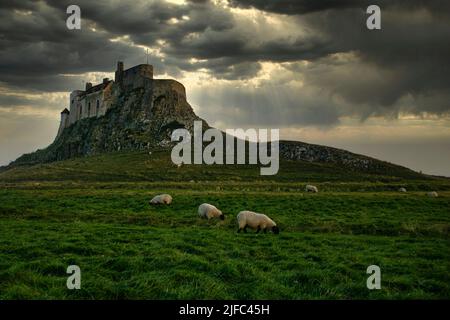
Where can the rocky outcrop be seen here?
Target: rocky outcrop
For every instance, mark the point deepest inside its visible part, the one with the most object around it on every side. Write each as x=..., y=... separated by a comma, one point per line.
x=141, y=118
x=300, y=151
x=294, y=150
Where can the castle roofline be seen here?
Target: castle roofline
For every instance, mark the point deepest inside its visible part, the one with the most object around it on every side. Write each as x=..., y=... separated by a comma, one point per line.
x=138, y=65
x=97, y=87
x=65, y=111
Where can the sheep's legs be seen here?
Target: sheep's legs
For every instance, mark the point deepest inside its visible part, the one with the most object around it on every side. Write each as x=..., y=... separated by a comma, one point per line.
x=259, y=229
x=265, y=230
x=244, y=228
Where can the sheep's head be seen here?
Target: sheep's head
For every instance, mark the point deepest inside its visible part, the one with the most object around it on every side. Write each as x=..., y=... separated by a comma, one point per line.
x=275, y=230
x=222, y=216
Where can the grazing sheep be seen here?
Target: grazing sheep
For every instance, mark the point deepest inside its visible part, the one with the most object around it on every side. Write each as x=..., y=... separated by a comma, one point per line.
x=256, y=221
x=209, y=211
x=432, y=194
x=310, y=188
x=161, y=199
x=402, y=190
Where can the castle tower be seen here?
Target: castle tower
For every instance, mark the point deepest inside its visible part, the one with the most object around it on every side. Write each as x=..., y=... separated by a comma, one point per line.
x=119, y=73
x=64, y=121
x=134, y=77
x=74, y=102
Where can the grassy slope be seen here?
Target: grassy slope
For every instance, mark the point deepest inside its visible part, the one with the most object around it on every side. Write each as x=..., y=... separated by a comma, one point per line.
x=93, y=212
x=140, y=166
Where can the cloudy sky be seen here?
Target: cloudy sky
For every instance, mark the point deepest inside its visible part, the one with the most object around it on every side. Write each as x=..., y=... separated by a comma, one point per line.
x=310, y=68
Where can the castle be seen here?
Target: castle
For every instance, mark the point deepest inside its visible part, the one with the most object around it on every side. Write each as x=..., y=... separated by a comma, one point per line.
x=94, y=101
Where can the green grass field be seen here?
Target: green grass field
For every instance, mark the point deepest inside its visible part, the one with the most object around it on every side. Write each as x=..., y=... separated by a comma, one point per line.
x=94, y=212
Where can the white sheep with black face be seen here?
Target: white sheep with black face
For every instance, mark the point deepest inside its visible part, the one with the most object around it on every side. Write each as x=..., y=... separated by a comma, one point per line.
x=432, y=194
x=208, y=211
x=256, y=221
x=310, y=188
x=161, y=199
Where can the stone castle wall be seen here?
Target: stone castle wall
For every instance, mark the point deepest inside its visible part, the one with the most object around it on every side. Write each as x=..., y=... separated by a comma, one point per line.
x=95, y=101
x=85, y=104
x=135, y=77
x=162, y=86
x=64, y=122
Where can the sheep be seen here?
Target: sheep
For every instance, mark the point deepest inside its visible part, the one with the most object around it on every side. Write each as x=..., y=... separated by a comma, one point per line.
x=310, y=188
x=256, y=221
x=161, y=199
x=209, y=211
x=432, y=194
x=402, y=189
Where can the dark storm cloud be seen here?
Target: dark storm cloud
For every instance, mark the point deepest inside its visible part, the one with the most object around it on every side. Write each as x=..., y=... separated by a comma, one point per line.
x=296, y=7
x=237, y=48
x=404, y=65
x=46, y=83
x=409, y=56
x=125, y=17
x=38, y=45
x=236, y=71
x=148, y=21
x=16, y=4
x=12, y=100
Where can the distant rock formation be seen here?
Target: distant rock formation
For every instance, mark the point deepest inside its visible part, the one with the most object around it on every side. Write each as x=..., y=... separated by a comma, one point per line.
x=300, y=151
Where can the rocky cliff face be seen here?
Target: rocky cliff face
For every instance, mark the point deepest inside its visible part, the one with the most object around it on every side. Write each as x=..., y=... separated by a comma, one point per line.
x=139, y=119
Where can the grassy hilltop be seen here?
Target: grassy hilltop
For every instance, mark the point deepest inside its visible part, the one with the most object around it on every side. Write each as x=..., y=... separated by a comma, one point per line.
x=94, y=212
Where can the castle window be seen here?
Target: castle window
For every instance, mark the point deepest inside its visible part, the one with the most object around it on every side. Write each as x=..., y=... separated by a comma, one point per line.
x=89, y=109
x=72, y=100
x=81, y=111
x=98, y=106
